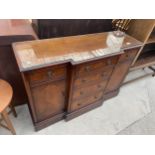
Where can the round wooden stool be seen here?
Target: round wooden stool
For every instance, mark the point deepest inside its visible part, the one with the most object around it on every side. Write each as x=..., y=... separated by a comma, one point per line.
x=6, y=93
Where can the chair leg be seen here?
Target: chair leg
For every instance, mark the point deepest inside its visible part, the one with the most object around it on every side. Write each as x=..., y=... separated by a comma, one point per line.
x=8, y=122
x=13, y=110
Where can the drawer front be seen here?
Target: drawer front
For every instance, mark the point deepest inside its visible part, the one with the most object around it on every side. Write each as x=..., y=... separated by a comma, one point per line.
x=128, y=55
x=87, y=91
x=93, y=78
x=77, y=104
x=47, y=74
x=93, y=66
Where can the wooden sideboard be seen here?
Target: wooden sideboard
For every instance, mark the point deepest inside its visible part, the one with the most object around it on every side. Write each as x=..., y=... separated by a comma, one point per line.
x=66, y=77
x=13, y=31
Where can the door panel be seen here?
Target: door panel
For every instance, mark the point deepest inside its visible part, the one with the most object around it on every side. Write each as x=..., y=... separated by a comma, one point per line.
x=49, y=99
x=118, y=76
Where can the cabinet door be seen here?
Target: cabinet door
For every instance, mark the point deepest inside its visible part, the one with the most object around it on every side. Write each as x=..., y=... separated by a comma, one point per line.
x=121, y=70
x=118, y=76
x=49, y=99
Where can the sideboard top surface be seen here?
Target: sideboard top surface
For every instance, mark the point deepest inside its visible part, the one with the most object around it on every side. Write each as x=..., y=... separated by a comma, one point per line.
x=75, y=49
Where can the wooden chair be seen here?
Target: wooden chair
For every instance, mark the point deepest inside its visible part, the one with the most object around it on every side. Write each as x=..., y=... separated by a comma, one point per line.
x=6, y=93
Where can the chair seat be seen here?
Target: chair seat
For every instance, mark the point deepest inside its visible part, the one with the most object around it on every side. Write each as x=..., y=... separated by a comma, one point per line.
x=6, y=93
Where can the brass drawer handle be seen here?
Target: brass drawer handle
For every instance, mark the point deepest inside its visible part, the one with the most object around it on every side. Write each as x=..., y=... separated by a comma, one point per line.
x=83, y=80
x=109, y=62
x=87, y=68
x=50, y=74
x=79, y=104
x=127, y=56
x=81, y=93
x=95, y=97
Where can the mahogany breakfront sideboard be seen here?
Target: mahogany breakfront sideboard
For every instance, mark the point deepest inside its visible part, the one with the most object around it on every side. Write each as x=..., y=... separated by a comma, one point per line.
x=66, y=77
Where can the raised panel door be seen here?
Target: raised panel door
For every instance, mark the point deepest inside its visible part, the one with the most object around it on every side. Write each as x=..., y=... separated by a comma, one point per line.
x=49, y=99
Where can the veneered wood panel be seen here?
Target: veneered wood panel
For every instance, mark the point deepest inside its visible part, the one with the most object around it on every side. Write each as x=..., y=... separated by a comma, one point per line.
x=118, y=76
x=49, y=99
x=121, y=70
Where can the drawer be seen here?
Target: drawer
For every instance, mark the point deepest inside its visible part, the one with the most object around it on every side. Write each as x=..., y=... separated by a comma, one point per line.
x=47, y=74
x=87, y=91
x=128, y=55
x=77, y=104
x=93, y=66
x=91, y=78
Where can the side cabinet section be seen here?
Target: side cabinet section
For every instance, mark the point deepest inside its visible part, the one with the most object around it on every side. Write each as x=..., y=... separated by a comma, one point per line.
x=119, y=73
x=46, y=89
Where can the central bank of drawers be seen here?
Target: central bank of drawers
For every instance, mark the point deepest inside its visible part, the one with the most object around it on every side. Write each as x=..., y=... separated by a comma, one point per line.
x=90, y=81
